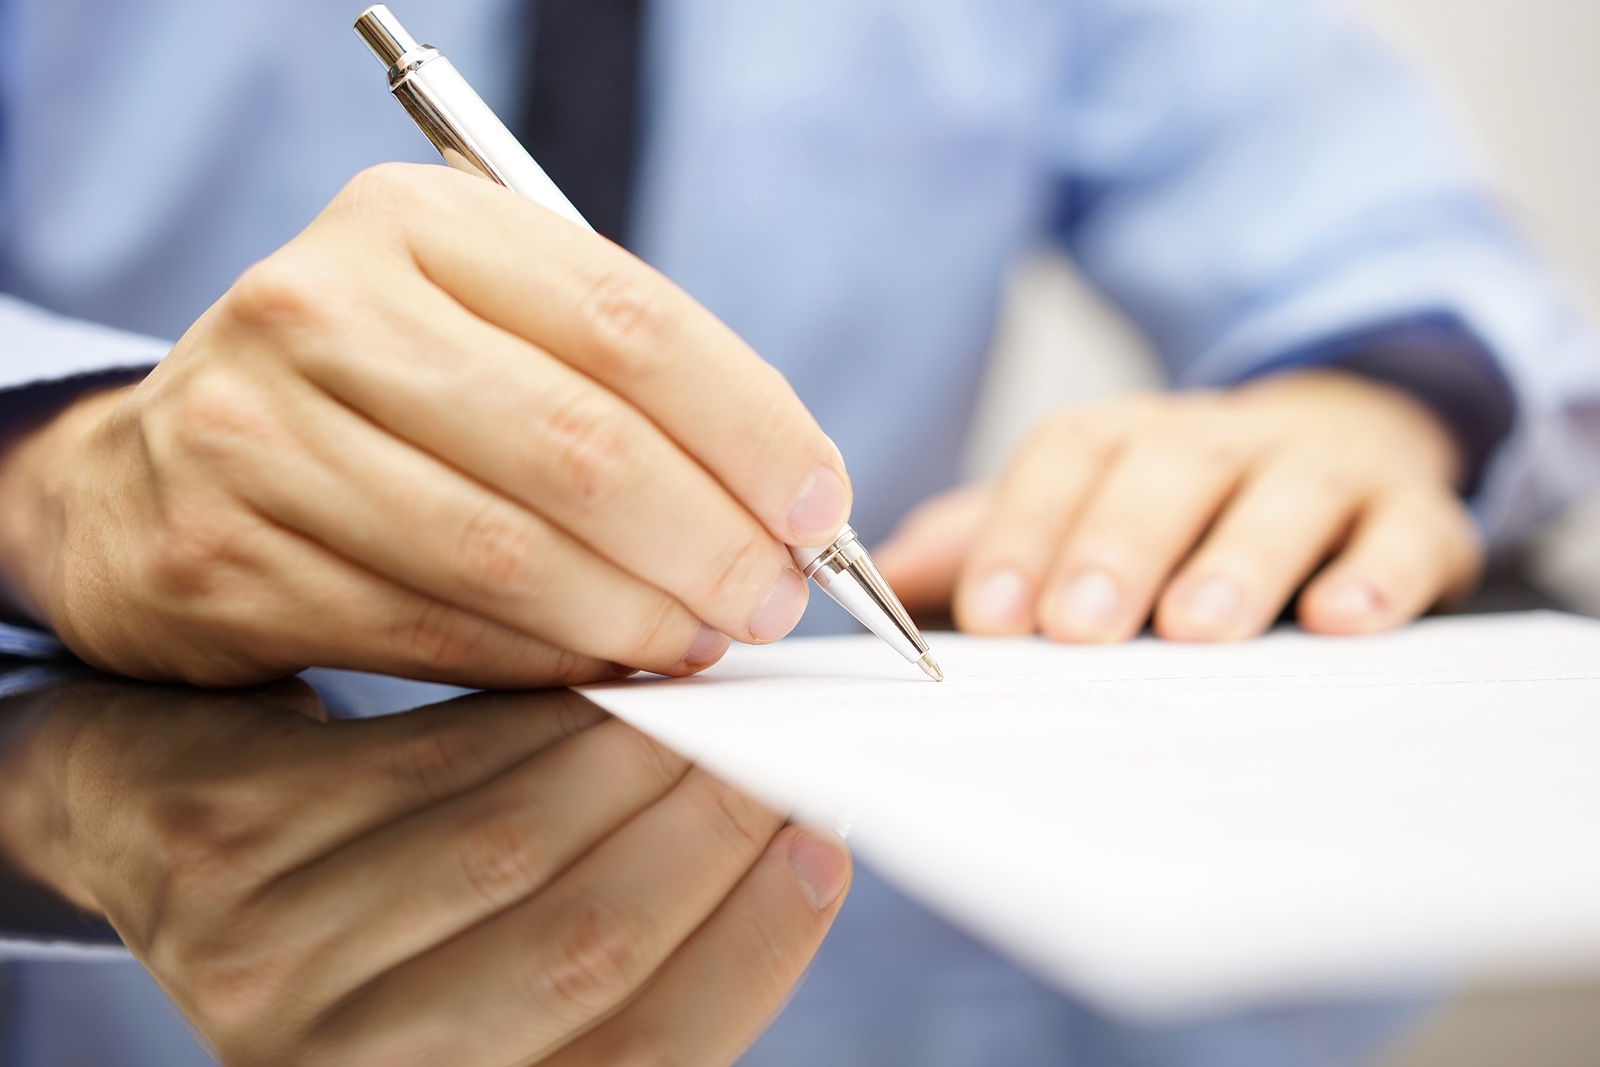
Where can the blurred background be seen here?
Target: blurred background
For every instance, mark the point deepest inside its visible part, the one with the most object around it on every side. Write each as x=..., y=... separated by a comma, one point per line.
x=1523, y=77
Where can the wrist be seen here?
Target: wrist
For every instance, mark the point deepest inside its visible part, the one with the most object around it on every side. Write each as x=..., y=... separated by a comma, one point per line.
x=1440, y=363
x=1398, y=429
x=36, y=467
x=39, y=892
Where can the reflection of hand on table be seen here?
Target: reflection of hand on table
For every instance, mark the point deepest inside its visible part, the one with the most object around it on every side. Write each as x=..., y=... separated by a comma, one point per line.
x=443, y=434
x=1208, y=510
x=502, y=879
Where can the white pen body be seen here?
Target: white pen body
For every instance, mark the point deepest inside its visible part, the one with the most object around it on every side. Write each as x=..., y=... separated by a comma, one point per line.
x=472, y=138
x=465, y=130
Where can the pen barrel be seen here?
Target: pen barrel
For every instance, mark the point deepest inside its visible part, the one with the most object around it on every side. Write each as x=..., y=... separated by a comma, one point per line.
x=846, y=573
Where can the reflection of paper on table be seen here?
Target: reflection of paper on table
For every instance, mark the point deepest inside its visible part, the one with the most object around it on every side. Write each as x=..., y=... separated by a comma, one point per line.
x=1180, y=827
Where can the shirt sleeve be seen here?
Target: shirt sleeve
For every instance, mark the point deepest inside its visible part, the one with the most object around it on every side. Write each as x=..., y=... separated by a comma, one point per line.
x=41, y=347
x=1250, y=179
x=48, y=361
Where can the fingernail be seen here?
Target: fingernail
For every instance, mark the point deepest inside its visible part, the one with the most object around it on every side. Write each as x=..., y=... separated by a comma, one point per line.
x=782, y=608
x=1353, y=600
x=823, y=507
x=1000, y=601
x=1089, y=604
x=821, y=866
x=708, y=647
x=1214, y=604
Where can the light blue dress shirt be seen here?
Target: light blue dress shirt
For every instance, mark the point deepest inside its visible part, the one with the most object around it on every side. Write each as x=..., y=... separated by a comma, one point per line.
x=845, y=182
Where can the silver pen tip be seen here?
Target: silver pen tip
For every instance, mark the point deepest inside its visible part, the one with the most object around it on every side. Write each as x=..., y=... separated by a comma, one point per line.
x=930, y=667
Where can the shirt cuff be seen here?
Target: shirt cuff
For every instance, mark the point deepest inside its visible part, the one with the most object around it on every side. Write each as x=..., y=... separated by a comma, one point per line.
x=1441, y=362
x=52, y=360
x=34, y=916
x=24, y=642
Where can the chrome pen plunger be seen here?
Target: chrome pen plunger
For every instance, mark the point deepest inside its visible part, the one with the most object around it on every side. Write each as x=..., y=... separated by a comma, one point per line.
x=472, y=138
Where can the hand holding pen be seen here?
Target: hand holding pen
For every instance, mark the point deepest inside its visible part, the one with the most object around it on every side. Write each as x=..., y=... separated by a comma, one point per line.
x=443, y=433
x=472, y=139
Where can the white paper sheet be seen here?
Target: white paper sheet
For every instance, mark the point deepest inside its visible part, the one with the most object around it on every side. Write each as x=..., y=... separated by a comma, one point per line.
x=1171, y=828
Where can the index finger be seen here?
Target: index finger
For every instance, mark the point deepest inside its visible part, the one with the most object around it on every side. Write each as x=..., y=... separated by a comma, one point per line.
x=609, y=315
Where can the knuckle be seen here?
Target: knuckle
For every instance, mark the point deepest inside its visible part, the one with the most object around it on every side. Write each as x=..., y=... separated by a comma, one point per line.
x=779, y=426
x=1066, y=425
x=193, y=558
x=433, y=764
x=281, y=294
x=1121, y=544
x=219, y=415
x=1085, y=433
x=219, y=831
x=772, y=958
x=1137, y=412
x=437, y=636
x=571, y=668
x=234, y=981
x=659, y=632
x=632, y=320
x=203, y=843
x=503, y=854
x=739, y=821
x=386, y=186
x=598, y=959
x=230, y=967
x=650, y=759
x=1326, y=475
x=496, y=554
x=744, y=571
x=573, y=713
x=593, y=449
x=1071, y=430
x=1207, y=437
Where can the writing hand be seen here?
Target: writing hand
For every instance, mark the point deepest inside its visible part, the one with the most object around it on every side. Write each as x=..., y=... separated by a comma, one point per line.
x=443, y=434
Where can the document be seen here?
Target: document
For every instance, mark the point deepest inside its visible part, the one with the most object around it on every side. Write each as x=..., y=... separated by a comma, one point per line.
x=1170, y=829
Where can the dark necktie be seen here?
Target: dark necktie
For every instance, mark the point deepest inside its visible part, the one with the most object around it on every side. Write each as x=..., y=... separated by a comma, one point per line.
x=579, y=115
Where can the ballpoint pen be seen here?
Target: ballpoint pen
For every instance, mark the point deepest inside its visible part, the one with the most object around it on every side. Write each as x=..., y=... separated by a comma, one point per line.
x=471, y=138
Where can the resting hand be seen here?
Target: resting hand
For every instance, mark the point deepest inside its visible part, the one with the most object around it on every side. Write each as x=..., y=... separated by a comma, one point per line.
x=1208, y=510
x=442, y=433
x=499, y=880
